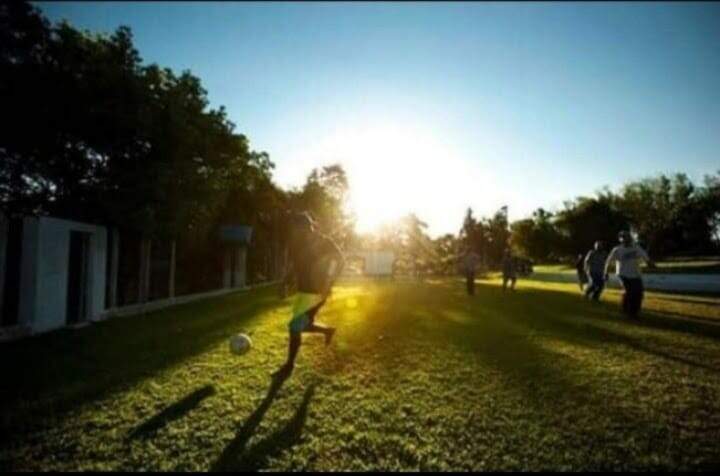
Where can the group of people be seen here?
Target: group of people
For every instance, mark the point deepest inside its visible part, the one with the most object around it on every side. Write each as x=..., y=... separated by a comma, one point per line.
x=593, y=271
x=316, y=261
x=470, y=261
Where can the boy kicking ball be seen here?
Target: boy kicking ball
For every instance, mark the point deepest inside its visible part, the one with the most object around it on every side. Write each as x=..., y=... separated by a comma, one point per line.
x=316, y=263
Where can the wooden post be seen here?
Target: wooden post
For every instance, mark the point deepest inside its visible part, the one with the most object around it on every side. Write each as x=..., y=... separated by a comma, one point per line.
x=171, y=278
x=144, y=280
x=114, y=265
x=240, y=266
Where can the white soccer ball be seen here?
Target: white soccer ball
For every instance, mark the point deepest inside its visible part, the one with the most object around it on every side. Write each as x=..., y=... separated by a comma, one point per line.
x=240, y=344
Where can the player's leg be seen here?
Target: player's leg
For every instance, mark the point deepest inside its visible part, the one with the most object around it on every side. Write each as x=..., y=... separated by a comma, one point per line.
x=599, y=288
x=296, y=326
x=590, y=287
x=512, y=283
x=293, y=348
x=637, y=298
x=470, y=283
x=628, y=295
x=314, y=327
x=593, y=289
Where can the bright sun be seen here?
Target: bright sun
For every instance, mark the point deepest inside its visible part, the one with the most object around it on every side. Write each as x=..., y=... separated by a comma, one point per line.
x=398, y=167
x=395, y=169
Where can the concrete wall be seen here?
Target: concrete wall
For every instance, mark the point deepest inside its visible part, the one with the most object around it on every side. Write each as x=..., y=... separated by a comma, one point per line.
x=46, y=249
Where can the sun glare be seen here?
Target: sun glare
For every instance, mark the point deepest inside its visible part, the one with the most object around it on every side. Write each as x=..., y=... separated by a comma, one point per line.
x=394, y=169
x=398, y=166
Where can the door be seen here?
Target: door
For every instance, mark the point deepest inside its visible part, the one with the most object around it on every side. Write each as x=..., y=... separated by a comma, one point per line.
x=77, y=290
x=13, y=262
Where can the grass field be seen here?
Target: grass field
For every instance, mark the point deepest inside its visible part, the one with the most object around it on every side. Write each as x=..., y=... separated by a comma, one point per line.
x=419, y=376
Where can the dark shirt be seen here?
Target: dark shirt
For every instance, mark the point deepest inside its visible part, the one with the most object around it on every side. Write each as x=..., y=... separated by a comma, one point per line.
x=469, y=262
x=311, y=260
x=595, y=261
x=508, y=266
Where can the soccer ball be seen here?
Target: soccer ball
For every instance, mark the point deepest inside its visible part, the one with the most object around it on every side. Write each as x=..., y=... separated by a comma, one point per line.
x=240, y=344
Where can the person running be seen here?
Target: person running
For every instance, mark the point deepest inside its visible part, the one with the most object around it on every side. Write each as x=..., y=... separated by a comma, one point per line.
x=594, y=266
x=581, y=274
x=508, y=270
x=470, y=262
x=627, y=256
x=316, y=262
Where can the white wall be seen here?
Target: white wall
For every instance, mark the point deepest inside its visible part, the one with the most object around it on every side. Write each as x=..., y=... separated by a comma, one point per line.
x=46, y=249
x=378, y=263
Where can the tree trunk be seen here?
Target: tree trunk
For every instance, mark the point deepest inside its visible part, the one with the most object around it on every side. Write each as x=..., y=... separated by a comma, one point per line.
x=144, y=280
x=171, y=278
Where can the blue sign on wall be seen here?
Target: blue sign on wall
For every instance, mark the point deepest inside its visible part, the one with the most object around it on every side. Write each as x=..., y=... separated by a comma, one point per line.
x=240, y=234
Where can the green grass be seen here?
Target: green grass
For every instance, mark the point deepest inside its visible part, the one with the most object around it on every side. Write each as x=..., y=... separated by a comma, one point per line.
x=419, y=376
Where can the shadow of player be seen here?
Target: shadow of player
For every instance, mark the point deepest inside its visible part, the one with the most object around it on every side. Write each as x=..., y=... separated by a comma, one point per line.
x=174, y=412
x=236, y=458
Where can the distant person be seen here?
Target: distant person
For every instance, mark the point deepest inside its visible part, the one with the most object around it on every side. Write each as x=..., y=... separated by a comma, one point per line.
x=595, y=270
x=627, y=256
x=581, y=274
x=470, y=262
x=508, y=270
x=316, y=262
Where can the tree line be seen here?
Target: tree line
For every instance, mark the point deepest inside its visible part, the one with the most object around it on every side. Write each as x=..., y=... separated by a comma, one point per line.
x=92, y=133
x=669, y=215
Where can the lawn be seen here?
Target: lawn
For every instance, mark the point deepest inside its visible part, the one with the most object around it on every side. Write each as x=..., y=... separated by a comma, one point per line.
x=419, y=376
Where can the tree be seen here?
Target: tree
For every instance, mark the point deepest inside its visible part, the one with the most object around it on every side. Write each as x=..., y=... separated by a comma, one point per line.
x=324, y=195
x=537, y=237
x=97, y=136
x=586, y=220
x=445, y=254
x=670, y=214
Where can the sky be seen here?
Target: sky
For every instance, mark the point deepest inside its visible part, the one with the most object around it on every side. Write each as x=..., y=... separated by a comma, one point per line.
x=436, y=107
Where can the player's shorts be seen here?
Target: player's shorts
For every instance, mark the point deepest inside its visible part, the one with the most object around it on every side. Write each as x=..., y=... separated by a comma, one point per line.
x=301, y=319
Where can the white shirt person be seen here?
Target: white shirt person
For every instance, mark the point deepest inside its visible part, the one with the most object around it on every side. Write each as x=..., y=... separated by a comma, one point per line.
x=627, y=260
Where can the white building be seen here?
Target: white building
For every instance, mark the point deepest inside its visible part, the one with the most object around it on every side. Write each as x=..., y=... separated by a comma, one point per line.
x=62, y=273
x=374, y=263
x=54, y=273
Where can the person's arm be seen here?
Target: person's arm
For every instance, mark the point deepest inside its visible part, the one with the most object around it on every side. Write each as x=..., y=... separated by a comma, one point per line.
x=646, y=257
x=609, y=261
x=586, y=265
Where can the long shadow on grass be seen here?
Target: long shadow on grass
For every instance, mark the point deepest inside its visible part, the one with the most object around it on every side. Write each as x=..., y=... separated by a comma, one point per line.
x=67, y=368
x=501, y=336
x=236, y=458
x=662, y=320
x=585, y=327
x=173, y=412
